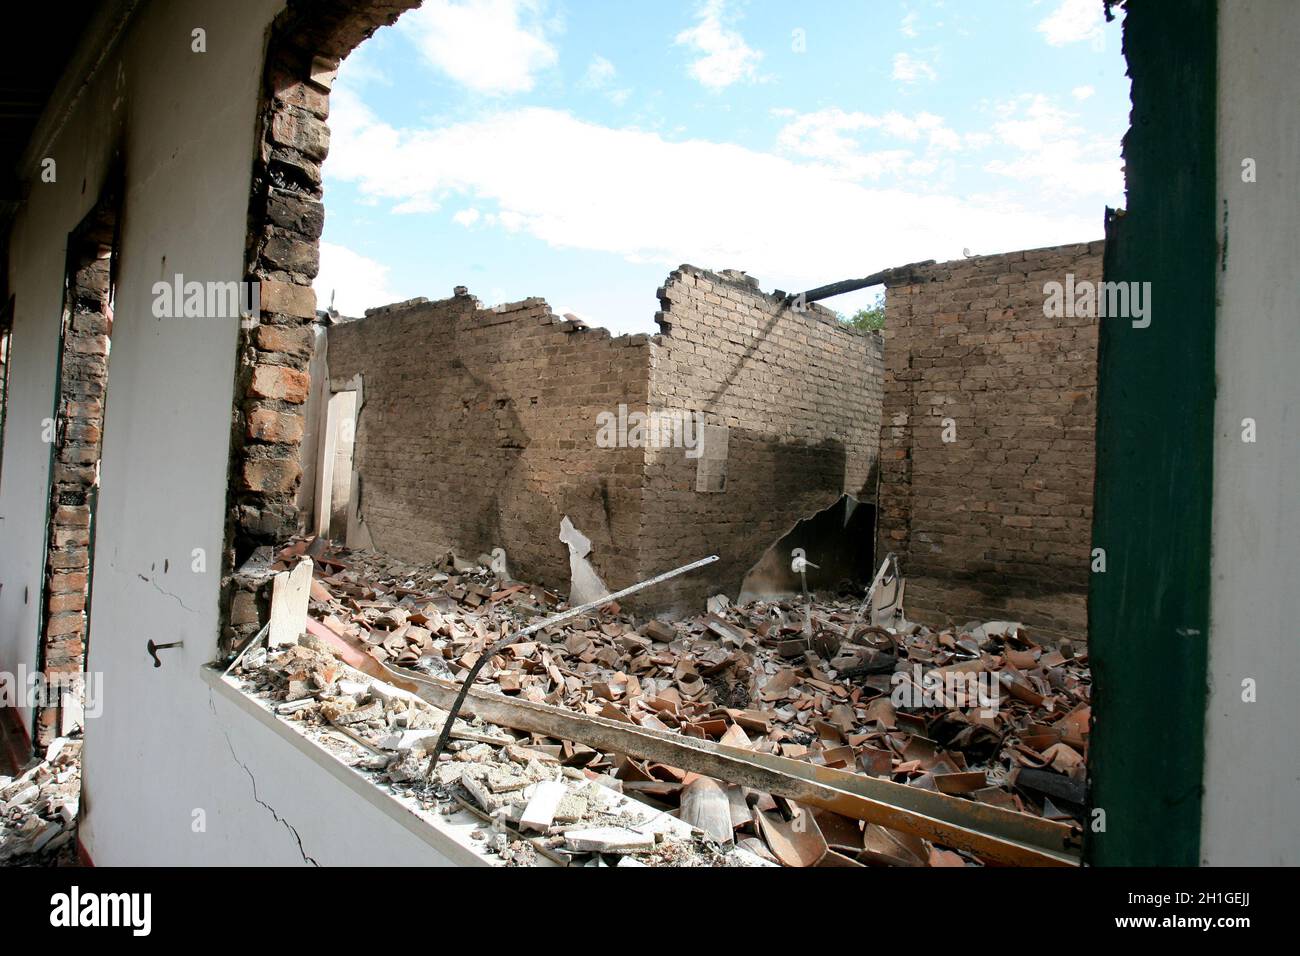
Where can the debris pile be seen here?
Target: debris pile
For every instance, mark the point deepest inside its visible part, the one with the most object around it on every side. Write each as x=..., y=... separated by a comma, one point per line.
x=38, y=809
x=980, y=712
x=530, y=800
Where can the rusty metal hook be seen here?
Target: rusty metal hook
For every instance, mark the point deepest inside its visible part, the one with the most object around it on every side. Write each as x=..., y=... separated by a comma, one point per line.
x=153, y=650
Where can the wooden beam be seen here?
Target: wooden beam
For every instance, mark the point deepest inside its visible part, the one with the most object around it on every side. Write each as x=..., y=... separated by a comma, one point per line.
x=853, y=285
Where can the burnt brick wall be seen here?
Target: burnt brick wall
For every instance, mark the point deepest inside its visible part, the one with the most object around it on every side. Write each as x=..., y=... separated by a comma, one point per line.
x=997, y=523
x=286, y=216
x=83, y=376
x=799, y=394
x=478, y=429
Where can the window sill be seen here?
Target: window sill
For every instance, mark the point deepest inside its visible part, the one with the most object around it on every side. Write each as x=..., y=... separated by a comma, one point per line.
x=448, y=836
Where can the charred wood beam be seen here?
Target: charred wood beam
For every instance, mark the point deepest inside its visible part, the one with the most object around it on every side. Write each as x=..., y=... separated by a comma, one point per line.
x=884, y=277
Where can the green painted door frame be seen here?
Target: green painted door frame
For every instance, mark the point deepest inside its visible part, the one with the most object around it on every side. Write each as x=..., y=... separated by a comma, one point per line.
x=1149, y=610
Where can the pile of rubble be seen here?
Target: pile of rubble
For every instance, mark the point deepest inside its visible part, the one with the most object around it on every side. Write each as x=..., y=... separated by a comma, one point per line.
x=38, y=809
x=980, y=711
x=530, y=802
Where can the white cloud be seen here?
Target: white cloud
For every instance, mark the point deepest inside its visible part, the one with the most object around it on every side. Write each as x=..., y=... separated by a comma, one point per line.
x=908, y=26
x=600, y=75
x=1082, y=93
x=1037, y=143
x=489, y=46
x=600, y=72
x=466, y=217
x=1055, y=153
x=828, y=136
x=726, y=57
x=1073, y=22
x=633, y=194
x=417, y=205
x=908, y=69
x=366, y=64
x=356, y=282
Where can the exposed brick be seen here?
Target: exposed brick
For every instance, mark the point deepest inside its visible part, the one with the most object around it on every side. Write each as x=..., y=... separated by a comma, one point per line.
x=292, y=340
x=63, y=624
x=292, y=254
x=800, y=394
x=243, y=609
x=71, y=601
x=278, y=382
x=72, y=516
x=86, y=455
x=974, y=521
x=271, y=475
x=480, y=430
x=67, y=582
x=66, y=474
x=287, y=298
x=302, y=131
x=297, y=214
x=66, y=654
x=294, y=93
x=89, y=344
x=84, y=432
x=269, y=425
x=70, y=537
x=84, y=372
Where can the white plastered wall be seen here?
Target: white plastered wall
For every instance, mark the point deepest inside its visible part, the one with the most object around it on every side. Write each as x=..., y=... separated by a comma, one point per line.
x=163, y=748
x=1252, y=797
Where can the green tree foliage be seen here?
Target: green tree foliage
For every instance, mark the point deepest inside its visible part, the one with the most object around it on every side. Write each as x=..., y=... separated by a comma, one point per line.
x=870, y=319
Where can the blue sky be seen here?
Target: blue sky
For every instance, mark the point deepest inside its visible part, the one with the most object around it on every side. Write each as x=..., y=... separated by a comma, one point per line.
x=580, y=150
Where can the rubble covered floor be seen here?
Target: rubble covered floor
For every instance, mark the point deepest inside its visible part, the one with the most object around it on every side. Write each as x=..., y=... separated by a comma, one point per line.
x=774, y=677
x=533, y=810
x=38, y=808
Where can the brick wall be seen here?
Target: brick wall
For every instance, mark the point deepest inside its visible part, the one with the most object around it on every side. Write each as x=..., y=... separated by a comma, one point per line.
x=997, y=523
x=478, y=429
x=799, y=396
x=308, y=40
x=83, y=376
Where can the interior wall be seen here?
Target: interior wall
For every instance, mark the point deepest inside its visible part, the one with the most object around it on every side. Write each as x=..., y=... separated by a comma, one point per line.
x=791, y=405
x=37, y=269
x=988, y=439
x=162, y=748
x=478, y=429
x=1252, y=758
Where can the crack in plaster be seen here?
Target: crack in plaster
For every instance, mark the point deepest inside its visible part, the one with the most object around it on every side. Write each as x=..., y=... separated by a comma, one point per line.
x=258, y=800
x=156, y=587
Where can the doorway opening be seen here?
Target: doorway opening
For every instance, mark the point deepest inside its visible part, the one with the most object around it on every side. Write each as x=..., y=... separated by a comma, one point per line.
x=335, y=475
